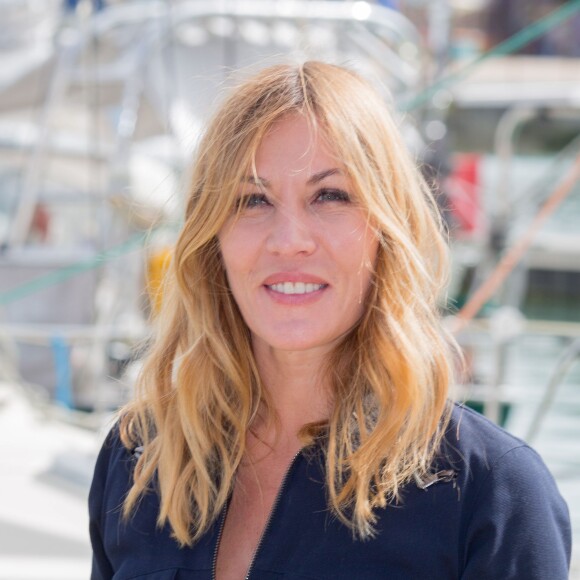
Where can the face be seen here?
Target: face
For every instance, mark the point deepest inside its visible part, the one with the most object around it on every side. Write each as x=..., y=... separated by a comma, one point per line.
x=299, y=253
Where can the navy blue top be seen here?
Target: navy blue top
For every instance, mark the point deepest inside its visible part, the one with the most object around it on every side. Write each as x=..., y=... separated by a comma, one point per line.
x=495, y=513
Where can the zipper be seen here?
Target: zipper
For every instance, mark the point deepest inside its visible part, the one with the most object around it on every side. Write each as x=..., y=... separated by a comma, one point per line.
x=271, y=514
x=266, y=527
x=218, y=539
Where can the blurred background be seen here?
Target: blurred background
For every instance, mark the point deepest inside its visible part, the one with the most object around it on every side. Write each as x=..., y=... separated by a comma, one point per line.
x=101, y=103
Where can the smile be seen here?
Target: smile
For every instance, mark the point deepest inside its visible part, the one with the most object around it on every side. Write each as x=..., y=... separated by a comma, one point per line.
x=295, y=287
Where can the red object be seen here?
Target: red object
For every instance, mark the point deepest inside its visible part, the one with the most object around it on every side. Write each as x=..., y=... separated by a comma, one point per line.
x=462, y=188
x=40, y=223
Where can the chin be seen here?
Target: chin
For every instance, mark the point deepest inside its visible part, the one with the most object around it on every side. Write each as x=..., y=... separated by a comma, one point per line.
x=296, y=343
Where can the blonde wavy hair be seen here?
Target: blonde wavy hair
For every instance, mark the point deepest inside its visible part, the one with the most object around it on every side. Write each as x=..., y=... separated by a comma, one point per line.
x=199, y=390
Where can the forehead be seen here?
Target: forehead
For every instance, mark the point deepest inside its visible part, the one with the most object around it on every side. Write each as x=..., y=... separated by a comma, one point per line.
x=293, y=145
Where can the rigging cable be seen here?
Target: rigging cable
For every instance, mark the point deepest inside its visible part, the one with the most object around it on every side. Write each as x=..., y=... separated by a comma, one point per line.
x=516, y=252
x=518, y=40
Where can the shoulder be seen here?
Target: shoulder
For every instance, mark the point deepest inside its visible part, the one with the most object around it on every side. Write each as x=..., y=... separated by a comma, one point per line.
x=512, y=512
x=112, y=450
x=111, y=481
x=113, y=470
x=484, y=454
x=479, y=443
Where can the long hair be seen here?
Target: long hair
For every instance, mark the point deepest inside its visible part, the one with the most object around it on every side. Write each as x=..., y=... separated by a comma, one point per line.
x=199, y=390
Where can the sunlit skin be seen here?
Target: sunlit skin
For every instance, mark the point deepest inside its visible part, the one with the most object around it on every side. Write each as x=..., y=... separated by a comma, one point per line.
x=300, y=229
x=299, y=257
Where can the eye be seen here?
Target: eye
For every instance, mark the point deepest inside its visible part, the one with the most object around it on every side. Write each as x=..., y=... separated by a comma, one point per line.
x=325, y=195
x=252, y=200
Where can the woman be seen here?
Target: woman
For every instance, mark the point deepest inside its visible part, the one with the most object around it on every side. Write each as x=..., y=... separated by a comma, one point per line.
x=292, y=418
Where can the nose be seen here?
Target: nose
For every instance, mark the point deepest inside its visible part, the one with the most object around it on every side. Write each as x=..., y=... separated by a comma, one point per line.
x=291, y=234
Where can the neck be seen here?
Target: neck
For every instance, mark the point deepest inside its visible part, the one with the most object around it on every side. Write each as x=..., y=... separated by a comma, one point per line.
x=298, y=390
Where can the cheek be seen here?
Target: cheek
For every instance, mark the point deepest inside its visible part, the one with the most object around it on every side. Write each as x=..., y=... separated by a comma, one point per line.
x=229, y=258
x=364, y=261
x=239, y=241
x=230, y=243
x=238, y=257
x=371, y=253
x=359, y=248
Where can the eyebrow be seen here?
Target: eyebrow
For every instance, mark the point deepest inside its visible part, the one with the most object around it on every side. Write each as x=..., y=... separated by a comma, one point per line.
x=260, y=181
x=312, y=180
x=321, y=175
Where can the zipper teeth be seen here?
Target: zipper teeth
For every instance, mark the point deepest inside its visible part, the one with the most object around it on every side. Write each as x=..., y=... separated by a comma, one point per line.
x=271, y=514
x=218, y=540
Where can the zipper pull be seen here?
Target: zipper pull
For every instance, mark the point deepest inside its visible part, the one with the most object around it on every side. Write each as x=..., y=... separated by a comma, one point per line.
x=444, y=476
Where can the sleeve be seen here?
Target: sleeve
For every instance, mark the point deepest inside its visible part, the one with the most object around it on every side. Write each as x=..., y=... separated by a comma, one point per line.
x=519, y=528
x=101, y=566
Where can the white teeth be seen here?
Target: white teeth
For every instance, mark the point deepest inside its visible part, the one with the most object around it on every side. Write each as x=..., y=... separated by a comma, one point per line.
x=295, y=287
